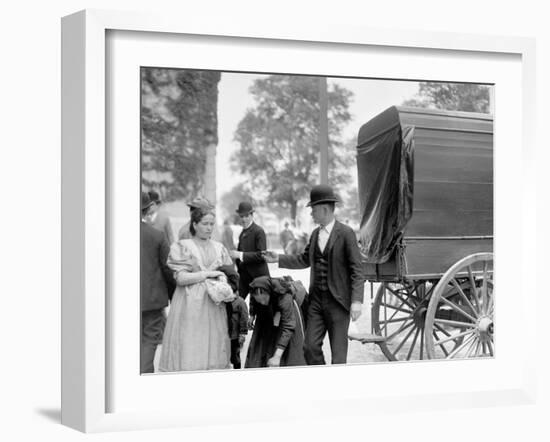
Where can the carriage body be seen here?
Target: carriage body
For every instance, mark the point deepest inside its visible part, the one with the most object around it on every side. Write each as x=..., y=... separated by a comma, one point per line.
x=426, y=231
x=451, y=190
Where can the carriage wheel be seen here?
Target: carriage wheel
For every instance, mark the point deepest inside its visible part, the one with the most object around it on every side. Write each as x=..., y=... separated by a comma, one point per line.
x=459, y=321
x=398, y=314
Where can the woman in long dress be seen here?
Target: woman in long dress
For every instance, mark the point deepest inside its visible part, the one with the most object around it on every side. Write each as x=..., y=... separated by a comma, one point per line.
x=196, y=335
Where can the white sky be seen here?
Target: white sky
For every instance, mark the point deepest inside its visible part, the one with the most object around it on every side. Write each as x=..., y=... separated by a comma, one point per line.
x=370, y=98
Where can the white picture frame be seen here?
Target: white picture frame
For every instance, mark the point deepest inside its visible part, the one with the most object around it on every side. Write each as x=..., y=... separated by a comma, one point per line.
x=87, y=210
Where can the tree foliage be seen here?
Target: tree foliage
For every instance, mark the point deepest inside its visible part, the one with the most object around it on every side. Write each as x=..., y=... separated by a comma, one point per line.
x=279, y=139
x=452, y=96
x=178, y=123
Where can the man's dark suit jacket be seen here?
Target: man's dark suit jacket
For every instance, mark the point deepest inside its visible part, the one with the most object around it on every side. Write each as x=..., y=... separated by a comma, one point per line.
x=252, y=242
x=162, y=223
x=157, y=282
x=345, y=272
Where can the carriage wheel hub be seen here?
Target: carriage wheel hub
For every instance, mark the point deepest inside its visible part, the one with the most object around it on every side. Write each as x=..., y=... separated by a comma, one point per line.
x=419, y=315
x=485, y=325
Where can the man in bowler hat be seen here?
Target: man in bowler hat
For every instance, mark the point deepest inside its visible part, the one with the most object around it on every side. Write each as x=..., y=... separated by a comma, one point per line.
x=336, y=279
x=156, y=286
x=249, y=259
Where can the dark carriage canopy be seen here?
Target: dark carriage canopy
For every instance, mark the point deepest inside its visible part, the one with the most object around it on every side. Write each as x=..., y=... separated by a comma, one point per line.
x=423, y=174
x=386, y=180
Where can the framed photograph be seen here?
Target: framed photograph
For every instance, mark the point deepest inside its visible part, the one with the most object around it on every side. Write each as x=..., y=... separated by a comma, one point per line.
x=132, y=145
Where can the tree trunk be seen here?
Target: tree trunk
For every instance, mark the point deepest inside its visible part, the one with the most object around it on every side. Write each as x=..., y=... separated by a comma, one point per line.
x=210, y=174
x=293, y=210
x=185, y=154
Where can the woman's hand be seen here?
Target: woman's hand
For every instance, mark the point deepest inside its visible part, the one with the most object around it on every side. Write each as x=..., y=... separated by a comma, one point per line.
x=214, y=274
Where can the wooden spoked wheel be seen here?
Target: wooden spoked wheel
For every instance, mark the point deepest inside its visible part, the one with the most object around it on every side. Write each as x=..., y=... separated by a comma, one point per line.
x=398, y=314
x=460, y=317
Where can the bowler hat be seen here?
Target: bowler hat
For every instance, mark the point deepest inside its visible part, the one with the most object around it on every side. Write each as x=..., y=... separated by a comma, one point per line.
x=200, y=203
x=145, y=201
x=244, y=208
x=322, y=194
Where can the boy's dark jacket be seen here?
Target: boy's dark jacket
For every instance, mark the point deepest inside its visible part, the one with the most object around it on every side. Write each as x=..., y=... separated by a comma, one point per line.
x=237, y=312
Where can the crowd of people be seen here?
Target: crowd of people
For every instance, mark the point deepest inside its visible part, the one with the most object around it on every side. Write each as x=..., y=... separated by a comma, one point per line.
x=207, y=284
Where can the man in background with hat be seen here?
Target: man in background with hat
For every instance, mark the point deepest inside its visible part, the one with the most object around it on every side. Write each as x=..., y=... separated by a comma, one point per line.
x=156, y=286
x=198, y=203
x=249, y=259
x=158, y=218
x=336, y=279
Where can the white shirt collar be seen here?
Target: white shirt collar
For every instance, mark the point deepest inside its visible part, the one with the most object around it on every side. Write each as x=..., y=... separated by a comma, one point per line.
x=329, y=226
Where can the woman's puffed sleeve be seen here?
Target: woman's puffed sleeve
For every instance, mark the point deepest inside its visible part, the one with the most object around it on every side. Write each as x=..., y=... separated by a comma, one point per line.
x=226, y=258
x=184, y=265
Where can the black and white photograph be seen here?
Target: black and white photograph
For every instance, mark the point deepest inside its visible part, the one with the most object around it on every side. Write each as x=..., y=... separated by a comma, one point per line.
x=294, y=220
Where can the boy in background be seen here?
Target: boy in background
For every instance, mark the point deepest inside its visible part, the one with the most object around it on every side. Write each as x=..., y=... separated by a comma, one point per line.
x=237, y=316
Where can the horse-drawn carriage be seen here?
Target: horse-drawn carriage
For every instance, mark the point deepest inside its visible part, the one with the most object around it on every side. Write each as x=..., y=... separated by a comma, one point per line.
x=426, y=235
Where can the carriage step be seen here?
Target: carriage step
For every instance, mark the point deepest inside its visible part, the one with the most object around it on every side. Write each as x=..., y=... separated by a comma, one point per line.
x=366, y=338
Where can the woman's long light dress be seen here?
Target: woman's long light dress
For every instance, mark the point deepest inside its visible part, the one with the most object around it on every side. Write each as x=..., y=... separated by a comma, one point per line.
x=196, y=334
